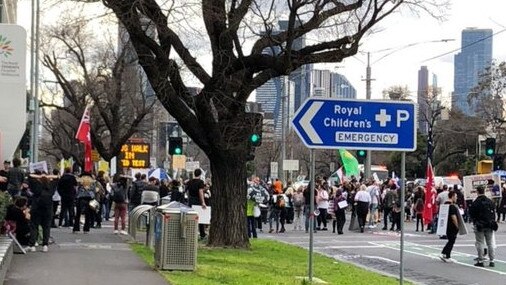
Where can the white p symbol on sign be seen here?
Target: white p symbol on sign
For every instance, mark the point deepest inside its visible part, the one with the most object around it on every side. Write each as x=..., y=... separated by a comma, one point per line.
x=402, y=116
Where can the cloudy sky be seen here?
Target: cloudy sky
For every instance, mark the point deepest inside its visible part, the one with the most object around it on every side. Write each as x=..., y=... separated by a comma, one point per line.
x=401, y=30
x=401, y=67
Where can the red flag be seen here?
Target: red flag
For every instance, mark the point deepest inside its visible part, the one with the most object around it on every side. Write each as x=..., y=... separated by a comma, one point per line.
x=430, y=193
x=84, y=136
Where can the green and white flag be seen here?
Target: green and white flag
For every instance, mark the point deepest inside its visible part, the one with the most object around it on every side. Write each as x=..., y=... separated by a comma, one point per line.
x=350, y=163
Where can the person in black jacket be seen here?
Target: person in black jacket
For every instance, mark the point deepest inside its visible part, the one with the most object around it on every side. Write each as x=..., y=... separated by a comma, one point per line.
x=42, y=209
x=67, y=188
x=482, y=212
x=135, y=193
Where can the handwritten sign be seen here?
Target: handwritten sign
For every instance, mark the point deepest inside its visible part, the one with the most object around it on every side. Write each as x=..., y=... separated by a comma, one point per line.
x=134, y=155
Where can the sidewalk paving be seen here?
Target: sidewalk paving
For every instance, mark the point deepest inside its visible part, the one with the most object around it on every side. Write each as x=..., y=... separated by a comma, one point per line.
x=96, y=258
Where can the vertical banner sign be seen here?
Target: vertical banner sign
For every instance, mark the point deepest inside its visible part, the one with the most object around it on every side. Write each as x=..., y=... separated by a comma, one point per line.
x=13, y=88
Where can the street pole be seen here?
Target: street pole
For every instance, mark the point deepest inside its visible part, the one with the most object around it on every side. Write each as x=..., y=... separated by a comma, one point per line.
x=368, y=79
x=34, y=78
x=403, y=194
x=311, y=215
x=283, y=130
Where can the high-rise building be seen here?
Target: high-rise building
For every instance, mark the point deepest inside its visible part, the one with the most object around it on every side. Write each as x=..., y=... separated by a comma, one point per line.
x=341, y=88
x=475, y=56
x=423, y=98
x=321, y=83
x=8, y=11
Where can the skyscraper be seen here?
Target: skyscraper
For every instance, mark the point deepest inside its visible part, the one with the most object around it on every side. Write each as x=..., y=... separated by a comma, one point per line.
x=475, y=56
x=423, y=98
x=340, y=87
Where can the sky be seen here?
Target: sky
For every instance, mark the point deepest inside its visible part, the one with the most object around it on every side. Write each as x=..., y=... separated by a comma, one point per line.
x=401, y=67
x=401, y=30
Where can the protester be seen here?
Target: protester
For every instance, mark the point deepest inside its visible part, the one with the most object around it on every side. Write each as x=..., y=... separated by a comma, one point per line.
x=85, y=193
x=322, y=202
x=340, y=212
x=119, y=197
x=41, y=209
x=67, y=187
x=15, y=177
x=135, y=193
x=482, y=212
x=195, y=188
x=362, y=200
x=18, y=218
x=298, y=206
x=452, y=226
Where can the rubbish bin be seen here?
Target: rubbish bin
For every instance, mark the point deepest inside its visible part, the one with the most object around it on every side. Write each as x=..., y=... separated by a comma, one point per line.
x=175, y=232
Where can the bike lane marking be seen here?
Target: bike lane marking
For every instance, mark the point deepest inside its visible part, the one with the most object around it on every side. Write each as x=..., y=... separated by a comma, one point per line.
x=461, y=258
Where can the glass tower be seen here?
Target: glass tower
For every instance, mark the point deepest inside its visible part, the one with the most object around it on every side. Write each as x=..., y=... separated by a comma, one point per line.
x=475, y=56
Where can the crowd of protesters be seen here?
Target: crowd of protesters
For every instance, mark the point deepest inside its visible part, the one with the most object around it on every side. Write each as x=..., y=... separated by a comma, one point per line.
x=41, y=201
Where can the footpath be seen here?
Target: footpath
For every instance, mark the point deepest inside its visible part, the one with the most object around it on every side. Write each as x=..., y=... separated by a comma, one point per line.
x=99, y=257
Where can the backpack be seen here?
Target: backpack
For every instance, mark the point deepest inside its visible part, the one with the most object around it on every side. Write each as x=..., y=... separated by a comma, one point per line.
x=280, y=203
x=118, y=194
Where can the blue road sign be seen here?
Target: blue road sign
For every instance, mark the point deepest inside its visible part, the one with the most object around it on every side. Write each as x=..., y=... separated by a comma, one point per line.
x=357, y=124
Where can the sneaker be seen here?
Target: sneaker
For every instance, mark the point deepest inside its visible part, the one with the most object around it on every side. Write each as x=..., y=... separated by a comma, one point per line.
x=479, y=264
x=491, y=264
x=116, y=232
x=123, y=232
x=32, y=249
x=36, y=244
x=44, y=248
x=324, y=229
x=443, y=258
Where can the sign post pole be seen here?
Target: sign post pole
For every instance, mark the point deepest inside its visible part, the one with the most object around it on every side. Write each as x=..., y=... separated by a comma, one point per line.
x=403, y=194
x=311, y=215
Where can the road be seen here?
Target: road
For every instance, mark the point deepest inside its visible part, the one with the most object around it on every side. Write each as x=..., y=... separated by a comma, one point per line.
x=380, y=250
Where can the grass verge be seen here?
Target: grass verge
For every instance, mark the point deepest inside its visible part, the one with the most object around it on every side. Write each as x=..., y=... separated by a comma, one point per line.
x=267, y=262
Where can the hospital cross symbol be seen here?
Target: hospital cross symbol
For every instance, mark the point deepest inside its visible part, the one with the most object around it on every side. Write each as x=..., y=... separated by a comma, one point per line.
x=383, y=118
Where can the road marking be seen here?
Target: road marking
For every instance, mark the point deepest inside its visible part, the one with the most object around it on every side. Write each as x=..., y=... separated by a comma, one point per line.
x=461, y=258
x=382, y=258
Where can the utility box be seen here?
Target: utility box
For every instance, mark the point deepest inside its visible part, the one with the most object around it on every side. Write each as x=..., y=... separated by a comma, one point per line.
x=175, y=231
x=484, y=166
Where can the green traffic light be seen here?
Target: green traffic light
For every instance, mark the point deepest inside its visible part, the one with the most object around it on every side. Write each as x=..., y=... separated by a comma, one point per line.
x=177, y=150
x=490, y=151
x=254, y=138
x=361, y=152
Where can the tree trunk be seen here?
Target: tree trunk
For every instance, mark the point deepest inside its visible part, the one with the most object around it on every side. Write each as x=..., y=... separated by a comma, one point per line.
x=228, y=217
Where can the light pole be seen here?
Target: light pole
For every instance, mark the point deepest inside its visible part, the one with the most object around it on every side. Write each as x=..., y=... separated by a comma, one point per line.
x=34, y=80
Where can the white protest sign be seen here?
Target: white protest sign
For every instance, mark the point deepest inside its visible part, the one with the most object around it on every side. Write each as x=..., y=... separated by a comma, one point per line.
x=442, y=221
x=40, y=166
x=204, y=214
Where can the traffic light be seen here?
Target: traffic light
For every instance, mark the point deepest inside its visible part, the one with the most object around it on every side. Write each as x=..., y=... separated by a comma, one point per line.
x=490, y=146
x=361, y=155
x=255, y=139
x=498, y=162
x=175, y=145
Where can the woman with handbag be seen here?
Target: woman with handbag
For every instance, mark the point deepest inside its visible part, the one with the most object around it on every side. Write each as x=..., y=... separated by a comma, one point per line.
x=85, y=195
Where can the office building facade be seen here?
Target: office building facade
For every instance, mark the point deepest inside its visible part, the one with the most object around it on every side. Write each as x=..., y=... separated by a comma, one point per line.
x=475, y=56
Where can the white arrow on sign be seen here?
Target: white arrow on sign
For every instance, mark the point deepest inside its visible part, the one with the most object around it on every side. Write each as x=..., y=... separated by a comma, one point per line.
x=305, y=122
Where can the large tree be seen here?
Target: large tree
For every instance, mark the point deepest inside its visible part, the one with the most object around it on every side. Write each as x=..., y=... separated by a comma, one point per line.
x=89, y=73
x=216, y=119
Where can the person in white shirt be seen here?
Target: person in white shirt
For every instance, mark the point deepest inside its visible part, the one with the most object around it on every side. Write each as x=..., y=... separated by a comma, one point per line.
x=323, y=206
x=374, y=192
x=362, y=200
